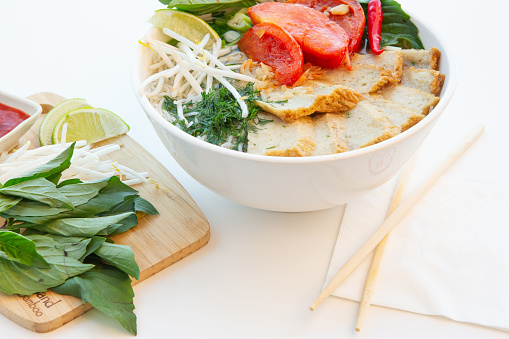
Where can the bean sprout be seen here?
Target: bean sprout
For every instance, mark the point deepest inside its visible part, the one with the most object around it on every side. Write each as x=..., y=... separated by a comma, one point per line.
x=86, y=163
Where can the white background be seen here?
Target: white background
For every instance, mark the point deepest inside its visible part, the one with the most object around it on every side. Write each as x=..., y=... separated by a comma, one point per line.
x=261, y=270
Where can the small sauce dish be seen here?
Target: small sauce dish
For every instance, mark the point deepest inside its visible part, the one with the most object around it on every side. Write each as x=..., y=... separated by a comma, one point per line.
x=16, y=104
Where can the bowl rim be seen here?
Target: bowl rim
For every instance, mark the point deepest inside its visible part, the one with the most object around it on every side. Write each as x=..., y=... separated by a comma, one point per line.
x=451, y=81
x=34, y=115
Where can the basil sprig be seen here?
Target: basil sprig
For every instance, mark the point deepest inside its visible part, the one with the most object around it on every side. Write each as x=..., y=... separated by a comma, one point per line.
x=55, y=236
x=397, y=27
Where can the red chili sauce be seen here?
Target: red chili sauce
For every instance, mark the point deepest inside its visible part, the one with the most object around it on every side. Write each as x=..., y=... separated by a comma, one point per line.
x=10, y=117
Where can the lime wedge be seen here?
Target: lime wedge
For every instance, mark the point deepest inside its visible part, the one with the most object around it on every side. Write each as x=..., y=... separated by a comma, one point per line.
x=51, y=119
x=185, y=24
x=90, y=124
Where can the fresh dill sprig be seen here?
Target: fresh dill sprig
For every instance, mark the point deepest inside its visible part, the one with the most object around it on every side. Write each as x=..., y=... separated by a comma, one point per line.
x=219, y=115
x=168, y=105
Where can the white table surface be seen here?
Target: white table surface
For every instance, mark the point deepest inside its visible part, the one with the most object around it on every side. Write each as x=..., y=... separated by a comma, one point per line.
x=261, y=270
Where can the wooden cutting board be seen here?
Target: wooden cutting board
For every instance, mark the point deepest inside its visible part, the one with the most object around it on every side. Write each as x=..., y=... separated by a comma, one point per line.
x=158, y=241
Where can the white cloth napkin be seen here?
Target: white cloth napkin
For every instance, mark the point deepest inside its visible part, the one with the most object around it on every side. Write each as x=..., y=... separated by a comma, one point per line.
x=448, y=257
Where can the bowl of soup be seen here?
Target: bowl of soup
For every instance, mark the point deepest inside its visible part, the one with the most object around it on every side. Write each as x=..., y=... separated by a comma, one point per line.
x=17, y=116
x=295, y=184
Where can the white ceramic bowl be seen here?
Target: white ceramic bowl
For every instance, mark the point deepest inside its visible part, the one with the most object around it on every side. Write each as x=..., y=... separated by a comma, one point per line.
x=295, y=184
x=10, y=140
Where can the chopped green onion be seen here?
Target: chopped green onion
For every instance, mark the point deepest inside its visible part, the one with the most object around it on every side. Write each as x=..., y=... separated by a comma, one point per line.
x=240, y=22
x=231, y=36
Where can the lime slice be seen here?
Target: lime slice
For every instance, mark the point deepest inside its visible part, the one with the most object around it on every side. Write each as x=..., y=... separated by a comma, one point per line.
x=51, y=119
x=90, y=124
x=185, y=24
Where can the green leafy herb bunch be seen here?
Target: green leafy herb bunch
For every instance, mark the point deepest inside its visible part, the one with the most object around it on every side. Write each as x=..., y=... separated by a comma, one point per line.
x=56, y=236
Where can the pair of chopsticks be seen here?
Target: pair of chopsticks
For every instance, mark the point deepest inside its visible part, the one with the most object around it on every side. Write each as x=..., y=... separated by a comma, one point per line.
x=371, y=280
x=396, y=213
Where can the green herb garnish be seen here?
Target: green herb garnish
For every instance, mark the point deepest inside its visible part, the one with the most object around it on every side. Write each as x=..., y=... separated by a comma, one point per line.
x=279, y=102
x=55, y=236
x=219, y=116
x=200, y=7
x=397, y=27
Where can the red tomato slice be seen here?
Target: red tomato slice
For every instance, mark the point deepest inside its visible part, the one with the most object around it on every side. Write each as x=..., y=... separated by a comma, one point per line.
x=353, y=22
x=274, y=46
x=324, y=43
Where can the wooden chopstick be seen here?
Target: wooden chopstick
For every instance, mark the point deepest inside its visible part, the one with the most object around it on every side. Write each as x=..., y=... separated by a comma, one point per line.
x=371, y=280
x=397, y=215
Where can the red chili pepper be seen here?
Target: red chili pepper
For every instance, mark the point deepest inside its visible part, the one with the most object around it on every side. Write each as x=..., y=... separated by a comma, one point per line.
x=375, y=18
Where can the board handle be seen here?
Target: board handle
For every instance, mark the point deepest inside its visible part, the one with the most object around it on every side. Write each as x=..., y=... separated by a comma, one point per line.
x=47, y=100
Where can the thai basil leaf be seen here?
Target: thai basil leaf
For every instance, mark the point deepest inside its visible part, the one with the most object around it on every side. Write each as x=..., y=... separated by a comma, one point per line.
x=31, y=209
x=20, y=249
x=77, y=194
x=69, y=182
x=115, y=228
x=75, y=247
x=113, y=194
x=405, y=41
x=52, y=170
x=400, y=17
x=25, y=280
x=131, y=203
x=40, y=190
x=48, y=247
x=120, y=256
x=80, y=227
x=397, y=28
x=107, y=289
x=126, y=206
x=81, y=193
x=31, y=231
x=7, y=202
x=94, y=244
x=142, y=205
x=200, y=7
x=115, y=186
